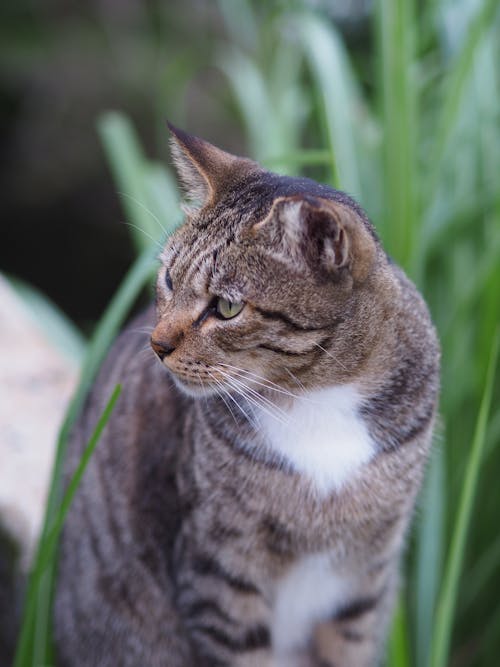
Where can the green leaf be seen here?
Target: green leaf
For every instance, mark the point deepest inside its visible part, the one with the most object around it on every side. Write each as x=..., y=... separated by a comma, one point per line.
x=34, y=646
x=334, y=81
x=399, y=651
x=429, y=554
x=139, y=183
x=453, y=99
x=396, y=36
x=447, y=599
x=271, y=120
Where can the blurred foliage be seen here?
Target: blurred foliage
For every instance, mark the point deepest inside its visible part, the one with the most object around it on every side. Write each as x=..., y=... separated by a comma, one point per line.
x=400, y=107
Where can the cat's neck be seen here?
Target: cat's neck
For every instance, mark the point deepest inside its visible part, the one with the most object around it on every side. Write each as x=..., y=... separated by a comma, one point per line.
x=319, y=434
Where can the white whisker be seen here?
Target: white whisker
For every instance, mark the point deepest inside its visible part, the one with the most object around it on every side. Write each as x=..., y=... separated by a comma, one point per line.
x=254, y=398
x=265, y=382
x=254, y=422
x=329, y=354
x=255, y=394
x=219, y=393
x=155, y=241
x=296, y=379
x=145, y=208
x=141, y=330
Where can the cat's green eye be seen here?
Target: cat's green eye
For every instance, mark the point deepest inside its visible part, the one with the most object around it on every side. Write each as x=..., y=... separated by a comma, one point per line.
x=227, y=309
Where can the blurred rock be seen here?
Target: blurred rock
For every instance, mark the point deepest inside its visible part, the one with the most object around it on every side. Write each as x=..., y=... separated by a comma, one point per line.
x=36, y=383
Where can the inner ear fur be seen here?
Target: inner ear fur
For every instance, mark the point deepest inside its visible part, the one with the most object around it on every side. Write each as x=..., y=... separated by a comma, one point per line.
x=203, y=169
x=328, y=234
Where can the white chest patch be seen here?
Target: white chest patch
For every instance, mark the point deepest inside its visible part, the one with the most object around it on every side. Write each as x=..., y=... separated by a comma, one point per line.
x=322, y=436
x=309, y=592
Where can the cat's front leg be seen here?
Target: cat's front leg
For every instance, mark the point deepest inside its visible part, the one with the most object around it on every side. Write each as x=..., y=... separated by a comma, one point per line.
x=222, y=604
x=354, y=636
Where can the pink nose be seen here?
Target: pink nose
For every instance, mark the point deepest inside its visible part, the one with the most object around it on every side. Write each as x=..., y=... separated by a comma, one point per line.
x=162, y=348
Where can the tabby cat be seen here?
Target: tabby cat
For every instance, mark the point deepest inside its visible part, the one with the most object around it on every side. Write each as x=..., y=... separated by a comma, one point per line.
x=248, y=502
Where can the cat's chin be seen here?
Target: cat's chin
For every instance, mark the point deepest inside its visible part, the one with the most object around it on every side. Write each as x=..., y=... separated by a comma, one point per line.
x=193, y=389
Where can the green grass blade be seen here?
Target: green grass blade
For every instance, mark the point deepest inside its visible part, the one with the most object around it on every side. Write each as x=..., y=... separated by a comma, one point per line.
x=480, y=573
x=335, y=84
x=128, y=166
x=396, y=37
x=488, y=650
x=429, y=555
x=399, y=651
x=269, y=132
x=455, y=88
x=254, y=101
x=493, y=434
x=447, y=599
x=162, y=194
x=34, y=647
x=55, y=530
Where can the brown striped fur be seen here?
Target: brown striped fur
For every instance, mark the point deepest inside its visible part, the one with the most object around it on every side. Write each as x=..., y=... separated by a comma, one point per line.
x=186, y=521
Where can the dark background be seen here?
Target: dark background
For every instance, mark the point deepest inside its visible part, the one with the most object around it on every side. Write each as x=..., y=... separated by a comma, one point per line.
x=62, y=64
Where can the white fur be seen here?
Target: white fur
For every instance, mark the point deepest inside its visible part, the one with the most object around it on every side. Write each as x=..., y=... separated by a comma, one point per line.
x=322, y=436
x=309, y=592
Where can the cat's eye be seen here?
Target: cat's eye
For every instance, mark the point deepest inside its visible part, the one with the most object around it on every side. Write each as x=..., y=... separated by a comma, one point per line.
x=168, y=279
x=227, y=309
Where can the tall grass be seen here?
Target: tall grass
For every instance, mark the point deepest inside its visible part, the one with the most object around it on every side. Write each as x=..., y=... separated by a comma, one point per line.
x=419, y=147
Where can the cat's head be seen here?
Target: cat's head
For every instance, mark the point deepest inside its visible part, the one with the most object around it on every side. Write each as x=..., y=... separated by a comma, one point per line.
x=270, y=281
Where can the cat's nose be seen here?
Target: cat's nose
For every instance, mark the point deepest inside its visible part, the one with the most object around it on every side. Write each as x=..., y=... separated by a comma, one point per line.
x=162, y=348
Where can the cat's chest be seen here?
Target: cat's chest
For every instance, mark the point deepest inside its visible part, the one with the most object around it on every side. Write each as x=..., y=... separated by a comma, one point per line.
x=322, y=436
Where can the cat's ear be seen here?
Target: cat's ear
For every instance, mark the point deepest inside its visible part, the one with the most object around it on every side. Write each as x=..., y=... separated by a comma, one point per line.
x=203, y=169
x=327, y=234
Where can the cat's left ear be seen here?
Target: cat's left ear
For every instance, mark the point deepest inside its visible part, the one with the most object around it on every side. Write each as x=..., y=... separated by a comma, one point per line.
x=327, y=234
x=203, y=169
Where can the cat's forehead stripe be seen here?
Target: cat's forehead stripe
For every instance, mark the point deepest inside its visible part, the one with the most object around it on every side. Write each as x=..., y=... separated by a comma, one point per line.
x=197, y=268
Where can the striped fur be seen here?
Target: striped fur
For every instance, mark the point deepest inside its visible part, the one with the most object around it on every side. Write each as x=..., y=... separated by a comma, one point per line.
x=258, y=481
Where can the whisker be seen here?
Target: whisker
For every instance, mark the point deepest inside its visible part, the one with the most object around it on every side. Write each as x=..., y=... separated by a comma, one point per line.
x=251, y=421
x=262, y=400
x=329, y=354
x=155, y=241
x=295, y=379
x=262, y=381
x=148, y=361
x=200, y=380
x=219, y=393
x=253, y=392
x=145, y=351
x=142, y=330
x=145, y=208
x=254, y=398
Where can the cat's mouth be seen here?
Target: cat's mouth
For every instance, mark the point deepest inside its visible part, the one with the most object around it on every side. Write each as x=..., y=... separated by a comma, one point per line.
x=194, y=379
x=193, y=387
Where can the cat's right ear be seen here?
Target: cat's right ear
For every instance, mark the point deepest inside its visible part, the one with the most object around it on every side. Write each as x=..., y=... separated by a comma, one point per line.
x=203, y=169
x=328, y=235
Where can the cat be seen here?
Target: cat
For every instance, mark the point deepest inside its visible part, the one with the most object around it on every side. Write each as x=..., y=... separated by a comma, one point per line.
x=248, y=502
